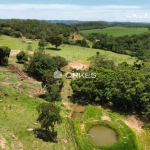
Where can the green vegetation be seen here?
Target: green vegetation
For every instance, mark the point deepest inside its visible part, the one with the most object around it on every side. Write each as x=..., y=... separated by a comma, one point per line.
x=40, y=63
x=4, y=55
x=117, y=31
x=49, y=115
x=126, y=138
x=82, y=54
x=124, y=87
x=17, y=43
x=121, y=84
x=55, y=40
x=18, y=115
x=34, y=29
x=22, y=57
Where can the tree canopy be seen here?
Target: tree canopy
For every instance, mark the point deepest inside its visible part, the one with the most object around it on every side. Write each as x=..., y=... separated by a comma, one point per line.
x=124, y=87
x=49, y=115
x=4, y=55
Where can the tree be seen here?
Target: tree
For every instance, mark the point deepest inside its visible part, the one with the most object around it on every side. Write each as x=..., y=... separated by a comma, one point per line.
x=61, y=61
x=49, y=115
x=55, y=40
x=4, y=55
x=39, y=63
x=52, y=85
x=41, y=45
x=22, y=57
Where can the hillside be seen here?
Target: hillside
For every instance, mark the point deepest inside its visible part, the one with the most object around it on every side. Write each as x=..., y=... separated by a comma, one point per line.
x=117, y=97
x=117, y=31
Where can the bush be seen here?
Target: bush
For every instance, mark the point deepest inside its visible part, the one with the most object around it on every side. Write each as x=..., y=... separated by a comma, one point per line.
x=22, y=57
x=39, y=63
x=4, y=55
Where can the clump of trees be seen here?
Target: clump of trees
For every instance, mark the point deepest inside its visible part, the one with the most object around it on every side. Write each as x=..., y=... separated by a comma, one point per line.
x=34, y=29
x=82, y=43
x=43, y=66
x=124, y=87
x=4, y=55
x=22, y=57
x=39, y=63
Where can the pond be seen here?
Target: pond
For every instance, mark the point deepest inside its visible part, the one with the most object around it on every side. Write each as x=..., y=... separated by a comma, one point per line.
x=78, y=112
x=102, y=135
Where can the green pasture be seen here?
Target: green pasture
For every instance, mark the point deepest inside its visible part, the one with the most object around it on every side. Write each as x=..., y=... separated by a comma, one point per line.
x=81, y=54
x=18, y=116
x=70, y=52
x=16, y=43
x=126, y=138
x=117, y=31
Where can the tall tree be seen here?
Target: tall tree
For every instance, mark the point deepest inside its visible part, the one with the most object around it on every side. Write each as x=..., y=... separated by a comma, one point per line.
x=55, y=40
x=49, y=115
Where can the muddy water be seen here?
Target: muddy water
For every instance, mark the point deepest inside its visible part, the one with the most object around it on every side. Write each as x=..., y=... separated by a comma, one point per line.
x=78, y=112
x=102, y=135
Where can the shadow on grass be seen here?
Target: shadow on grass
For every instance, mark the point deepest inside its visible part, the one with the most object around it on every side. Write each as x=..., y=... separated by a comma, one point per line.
x=78, y=101
x=45, y=135
x=54, y=49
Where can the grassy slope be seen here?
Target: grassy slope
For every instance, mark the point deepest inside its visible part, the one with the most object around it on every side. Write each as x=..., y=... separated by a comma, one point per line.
x=15, y=43
x=117, y=31
x=71, y=53
x=81, y=54
x=18, y=113
x=23, y=114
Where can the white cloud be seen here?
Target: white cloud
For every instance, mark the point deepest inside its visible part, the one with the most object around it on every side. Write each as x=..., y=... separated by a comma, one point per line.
x=16, y=7
x=73, y=12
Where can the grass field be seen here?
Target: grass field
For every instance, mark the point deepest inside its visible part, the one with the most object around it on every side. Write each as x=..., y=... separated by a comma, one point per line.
x=117, y=31
x=16, y=44
x=70, y=52
x=18, y=115
x=81, y=54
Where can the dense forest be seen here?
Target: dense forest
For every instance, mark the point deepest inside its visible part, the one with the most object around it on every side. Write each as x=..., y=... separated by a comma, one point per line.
x=121, y=87
x=103, y=24
x=34, y=29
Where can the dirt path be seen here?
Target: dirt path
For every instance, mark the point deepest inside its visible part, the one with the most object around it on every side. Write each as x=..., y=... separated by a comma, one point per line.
x=2, y=142
x=135, y=124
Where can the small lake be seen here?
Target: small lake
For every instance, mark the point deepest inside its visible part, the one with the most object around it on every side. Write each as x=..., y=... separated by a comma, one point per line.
x=102, y=135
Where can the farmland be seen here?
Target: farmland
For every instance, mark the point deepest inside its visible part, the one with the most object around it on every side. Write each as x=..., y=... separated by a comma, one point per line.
x=117, y=31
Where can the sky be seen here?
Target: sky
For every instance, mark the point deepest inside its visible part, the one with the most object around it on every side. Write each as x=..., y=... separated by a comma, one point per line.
x=84, y=10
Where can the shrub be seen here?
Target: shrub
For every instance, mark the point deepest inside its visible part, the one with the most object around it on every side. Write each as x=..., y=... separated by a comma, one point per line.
x=22, y=57
x=4, y=55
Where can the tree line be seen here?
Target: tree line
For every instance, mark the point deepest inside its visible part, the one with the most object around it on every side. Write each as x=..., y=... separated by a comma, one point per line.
x=103, y=24
x=135, y=45
x=34, y=29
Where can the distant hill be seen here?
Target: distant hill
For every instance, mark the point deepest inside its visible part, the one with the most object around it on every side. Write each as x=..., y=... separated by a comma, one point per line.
x=65, y=21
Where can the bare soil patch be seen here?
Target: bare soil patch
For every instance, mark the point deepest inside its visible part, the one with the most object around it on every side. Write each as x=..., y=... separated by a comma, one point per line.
x=15, y=52
x=106, y=118
x=78, y=65
x=2, y=142
x=135, y=124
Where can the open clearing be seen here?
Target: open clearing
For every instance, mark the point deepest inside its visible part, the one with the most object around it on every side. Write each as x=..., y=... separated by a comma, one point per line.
x=117, y=31
x=70, y=52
